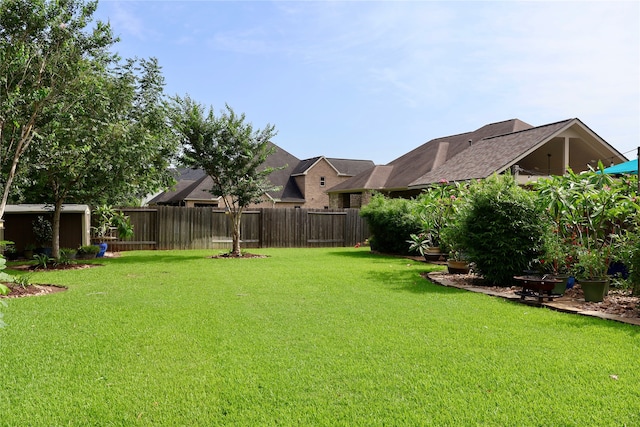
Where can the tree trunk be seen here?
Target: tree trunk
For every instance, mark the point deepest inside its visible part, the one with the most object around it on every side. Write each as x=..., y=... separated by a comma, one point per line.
x=235, y=216
x=55, y=241
x=9, y=182
x=23, y=143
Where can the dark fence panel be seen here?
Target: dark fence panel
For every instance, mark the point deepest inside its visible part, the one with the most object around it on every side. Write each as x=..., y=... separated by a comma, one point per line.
x=356, y=228
x=145, y=226
x=171, y=227
x=326, y=229
x=283, y=228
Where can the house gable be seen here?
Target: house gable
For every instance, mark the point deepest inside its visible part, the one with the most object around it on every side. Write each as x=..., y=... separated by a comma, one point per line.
x=318, y=178
x=401, y=172
x=540, y=151
x=298, y=182
x=314, y=176
x=493, y=148
x=191, y=188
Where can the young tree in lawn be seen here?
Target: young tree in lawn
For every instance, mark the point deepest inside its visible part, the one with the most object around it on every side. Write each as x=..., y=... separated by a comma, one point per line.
x=44, y=47
x=110, y=144
x=231, y=152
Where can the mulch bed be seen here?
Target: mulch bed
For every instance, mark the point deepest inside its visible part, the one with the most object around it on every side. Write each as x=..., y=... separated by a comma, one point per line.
x=18, y=291
x=242, y=255
x=619, y=302
x=51, y=267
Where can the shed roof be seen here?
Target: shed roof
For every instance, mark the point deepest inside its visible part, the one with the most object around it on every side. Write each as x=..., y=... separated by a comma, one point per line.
x=42, y=208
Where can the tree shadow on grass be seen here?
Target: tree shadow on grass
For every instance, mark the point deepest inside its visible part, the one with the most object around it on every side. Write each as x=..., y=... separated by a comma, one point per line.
x=407, y=280
x=410, y=280
x=360, y=254
x=154, y=257
x=577, y=321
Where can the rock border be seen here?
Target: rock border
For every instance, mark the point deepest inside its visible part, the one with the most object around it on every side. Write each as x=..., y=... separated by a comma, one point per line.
x=562, y=304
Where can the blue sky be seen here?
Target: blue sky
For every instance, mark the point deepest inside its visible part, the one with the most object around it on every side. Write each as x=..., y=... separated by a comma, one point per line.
x=373, y=80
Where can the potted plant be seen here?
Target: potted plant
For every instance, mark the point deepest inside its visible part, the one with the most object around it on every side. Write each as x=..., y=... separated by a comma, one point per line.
x=110, y=225
x=557, y=259
x=591, y=272
x=434, y=209
x=67, y=257
x=592, y=209
x=457, y=262
x=87, y=252
x=29, y=251
x=68, y=253
x=424, y=245
x=10, y=251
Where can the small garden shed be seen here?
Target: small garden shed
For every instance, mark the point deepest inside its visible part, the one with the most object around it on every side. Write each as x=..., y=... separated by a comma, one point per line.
x=75, y=223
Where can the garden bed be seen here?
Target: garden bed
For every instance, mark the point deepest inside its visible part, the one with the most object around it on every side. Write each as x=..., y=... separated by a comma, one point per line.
x=619, y=303
x=19, y=291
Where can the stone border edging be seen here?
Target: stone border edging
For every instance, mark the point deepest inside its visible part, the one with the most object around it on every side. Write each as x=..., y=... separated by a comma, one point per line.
x=563, y=305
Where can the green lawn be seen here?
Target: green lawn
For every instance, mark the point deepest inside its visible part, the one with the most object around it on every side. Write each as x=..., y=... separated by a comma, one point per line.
x=305, y=337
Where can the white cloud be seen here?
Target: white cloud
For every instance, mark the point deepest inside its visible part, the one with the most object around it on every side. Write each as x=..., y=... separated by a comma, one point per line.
x=474, y=62
x=125, y=18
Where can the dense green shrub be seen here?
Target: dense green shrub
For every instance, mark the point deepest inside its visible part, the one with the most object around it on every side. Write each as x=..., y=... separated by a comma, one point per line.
x=629, y=255
x=437, y=207
x=390, y=223
x=634, y=266
x=594, y=216
x=502, y=228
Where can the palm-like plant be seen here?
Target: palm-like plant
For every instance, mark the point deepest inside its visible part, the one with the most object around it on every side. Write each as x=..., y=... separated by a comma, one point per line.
x=590, y=210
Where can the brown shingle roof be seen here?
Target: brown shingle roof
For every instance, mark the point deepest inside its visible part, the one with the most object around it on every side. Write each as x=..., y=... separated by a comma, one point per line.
x=189, y=182
x=281, y=177
x=304, y=165
x=350, y=167
x=491, y=154
x=401, y=172
x=194, y=184
x=344, y=167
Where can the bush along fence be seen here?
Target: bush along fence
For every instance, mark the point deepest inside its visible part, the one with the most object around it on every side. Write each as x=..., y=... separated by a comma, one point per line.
x=169, y=227
x=585, y=226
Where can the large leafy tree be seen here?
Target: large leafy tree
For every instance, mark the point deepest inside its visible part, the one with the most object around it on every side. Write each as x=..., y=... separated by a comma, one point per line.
x=110, y=144
x=45, y=50
x=230, y=151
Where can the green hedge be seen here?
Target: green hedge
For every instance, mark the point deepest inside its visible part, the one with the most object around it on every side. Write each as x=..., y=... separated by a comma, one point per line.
x=390, y=223
x=503, y=228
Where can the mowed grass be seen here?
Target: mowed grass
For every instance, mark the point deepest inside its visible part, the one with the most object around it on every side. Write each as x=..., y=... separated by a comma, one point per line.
x=330, y=337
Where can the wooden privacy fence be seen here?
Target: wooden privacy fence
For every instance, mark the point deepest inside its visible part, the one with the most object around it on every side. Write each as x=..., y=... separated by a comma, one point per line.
x=169, y=227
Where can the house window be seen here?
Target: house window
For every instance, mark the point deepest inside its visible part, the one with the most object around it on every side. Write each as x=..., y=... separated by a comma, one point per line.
x=322, y=181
